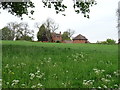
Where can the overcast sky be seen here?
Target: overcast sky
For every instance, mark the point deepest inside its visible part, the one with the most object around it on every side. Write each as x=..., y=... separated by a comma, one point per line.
x=101, y=25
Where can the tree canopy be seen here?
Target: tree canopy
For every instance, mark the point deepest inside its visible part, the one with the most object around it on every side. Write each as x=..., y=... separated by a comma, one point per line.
x=6, y=34
x=41, y=35
x=17, y=31
x=20, y=8
x=17, y=8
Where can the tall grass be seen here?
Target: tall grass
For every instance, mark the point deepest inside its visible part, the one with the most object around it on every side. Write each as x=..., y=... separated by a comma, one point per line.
x=58, y=65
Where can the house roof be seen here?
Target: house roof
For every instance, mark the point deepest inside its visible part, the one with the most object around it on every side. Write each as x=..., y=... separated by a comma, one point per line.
x=55, y=34
x=80, y=37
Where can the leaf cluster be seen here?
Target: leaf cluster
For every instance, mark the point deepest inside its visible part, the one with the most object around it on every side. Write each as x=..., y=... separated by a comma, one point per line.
x=17, y=8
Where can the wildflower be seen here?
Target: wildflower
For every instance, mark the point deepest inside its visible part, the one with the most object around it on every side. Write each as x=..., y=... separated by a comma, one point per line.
x=40, y=76
x=116, y=85
x=102, y=70
x=67, y=71
x=75, y=59
x=109, y=76
x=7, y=83
x=31, y=75
x=99, y=87
x=105, y=80
x=104, y=86
x=39, y=85
x=49, y=58
x=88, y=83
x=37, y=72
x=22, y=84
x=14, y=82
x=41, y=62
x=34, y=86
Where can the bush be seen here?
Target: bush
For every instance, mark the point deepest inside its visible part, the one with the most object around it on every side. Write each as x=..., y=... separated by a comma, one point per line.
x=108, y=41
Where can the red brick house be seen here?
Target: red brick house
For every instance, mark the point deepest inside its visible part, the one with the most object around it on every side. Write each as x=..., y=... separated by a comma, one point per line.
x=80, y=39
x=56, y=37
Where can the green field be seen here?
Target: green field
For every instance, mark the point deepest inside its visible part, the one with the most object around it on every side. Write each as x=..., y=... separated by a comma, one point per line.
x=59, y=65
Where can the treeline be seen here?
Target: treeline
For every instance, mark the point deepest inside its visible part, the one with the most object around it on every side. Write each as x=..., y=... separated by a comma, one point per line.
x=16, y=31
x=108, y=41
x=21, y=31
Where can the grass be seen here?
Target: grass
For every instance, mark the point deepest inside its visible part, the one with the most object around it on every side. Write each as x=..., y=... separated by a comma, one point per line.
x=59, y=65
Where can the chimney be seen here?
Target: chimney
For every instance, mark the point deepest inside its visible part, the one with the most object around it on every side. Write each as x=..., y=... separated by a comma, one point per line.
x=60, y=32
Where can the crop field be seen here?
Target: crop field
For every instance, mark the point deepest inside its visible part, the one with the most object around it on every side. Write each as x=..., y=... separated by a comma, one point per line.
x=59, y=65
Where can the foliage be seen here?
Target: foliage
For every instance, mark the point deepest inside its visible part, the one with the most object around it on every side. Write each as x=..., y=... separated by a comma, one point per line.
x=7, y=34
x=17, y=8
x=80, y=6
x=41, y=35
x=65, y=36
x=51, y=27
x=21, y=30
x=54, y=65
x=20, y=8
x=27, y=38
x=108, y=41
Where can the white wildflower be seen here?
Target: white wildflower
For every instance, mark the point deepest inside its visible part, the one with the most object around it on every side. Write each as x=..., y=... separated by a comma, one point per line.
x=22, y=84
x=7, y=83
x=31, y=75
x=99, y=87
x=34, y=86
x=40, y=76
x=39, y=85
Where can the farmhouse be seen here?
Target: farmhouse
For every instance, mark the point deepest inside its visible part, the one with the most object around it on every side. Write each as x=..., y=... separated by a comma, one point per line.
x=80, y=39
x=56, y=37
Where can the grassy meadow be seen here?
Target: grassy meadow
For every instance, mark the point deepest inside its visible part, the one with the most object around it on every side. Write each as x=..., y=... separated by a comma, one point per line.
x=58, y=65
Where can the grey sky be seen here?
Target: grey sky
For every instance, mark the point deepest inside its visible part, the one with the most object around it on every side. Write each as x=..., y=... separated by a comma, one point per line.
x=101, y=25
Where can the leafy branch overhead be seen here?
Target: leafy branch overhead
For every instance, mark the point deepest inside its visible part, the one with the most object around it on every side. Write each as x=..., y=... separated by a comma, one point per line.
x=80, y=6
x=20, y=8
x=17, y=8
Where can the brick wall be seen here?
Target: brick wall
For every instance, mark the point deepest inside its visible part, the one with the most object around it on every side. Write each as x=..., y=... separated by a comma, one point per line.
x=79, y=41
x=56, y=38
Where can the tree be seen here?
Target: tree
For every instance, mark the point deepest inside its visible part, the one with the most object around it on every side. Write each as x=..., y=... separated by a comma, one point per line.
x=22, y=32
x=6, y=34
x=51, y=27
x=65, y=36
x=110, y=41
x=20, y=8
x=41, y=35
x=70, y=32
x=17, y=8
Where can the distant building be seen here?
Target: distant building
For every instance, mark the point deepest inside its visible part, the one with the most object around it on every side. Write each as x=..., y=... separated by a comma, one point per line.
x=67, y=41
x=80, y=39
x=56, y=37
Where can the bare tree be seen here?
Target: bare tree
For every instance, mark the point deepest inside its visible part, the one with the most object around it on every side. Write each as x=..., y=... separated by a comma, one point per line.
x=21, y=30
x=71, y=32
x=51, y=25
x=37, y=25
